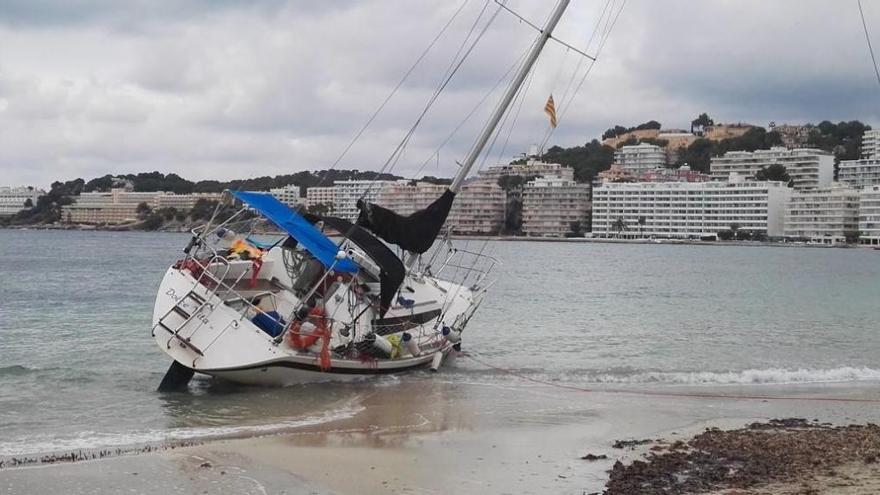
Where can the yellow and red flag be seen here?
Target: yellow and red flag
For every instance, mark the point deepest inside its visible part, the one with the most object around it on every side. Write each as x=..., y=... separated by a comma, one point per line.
x=550, y=110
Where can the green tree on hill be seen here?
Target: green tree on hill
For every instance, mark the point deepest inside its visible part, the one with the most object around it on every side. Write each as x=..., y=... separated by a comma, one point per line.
x=775, y=172
x=619, y=129
x=587, y=160
x=699, y=154
x=702, y=120
x=143, y=210
x=844, y=139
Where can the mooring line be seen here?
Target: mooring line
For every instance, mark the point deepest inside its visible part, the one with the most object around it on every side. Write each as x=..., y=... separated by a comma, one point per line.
x=653, y=393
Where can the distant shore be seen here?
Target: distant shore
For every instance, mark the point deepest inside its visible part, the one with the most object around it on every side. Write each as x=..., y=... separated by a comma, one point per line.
x=687, y=242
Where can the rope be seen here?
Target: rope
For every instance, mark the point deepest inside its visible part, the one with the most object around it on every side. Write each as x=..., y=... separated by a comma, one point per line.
x=394, y=91
x=868, y=39
x=609, y=25
x=676, y=395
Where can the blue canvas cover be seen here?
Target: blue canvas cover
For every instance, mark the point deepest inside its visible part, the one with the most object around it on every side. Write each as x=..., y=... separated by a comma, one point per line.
x=299, y=228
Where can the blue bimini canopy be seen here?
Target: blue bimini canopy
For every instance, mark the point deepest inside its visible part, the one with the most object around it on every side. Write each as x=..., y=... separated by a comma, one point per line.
x=299, y=228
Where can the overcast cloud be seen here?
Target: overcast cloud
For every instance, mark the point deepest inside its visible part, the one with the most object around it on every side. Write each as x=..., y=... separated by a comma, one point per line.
x=224, y=89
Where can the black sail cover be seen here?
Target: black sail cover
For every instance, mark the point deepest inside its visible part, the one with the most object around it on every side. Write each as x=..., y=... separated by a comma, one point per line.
x=416, y=232
x=391, y=271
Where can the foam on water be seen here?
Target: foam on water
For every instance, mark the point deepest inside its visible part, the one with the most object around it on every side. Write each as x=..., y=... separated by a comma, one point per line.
x=92, y=440
x=749, y=376
x=766, y=376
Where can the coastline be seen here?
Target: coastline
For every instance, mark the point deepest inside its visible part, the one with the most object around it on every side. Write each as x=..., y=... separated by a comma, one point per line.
x=433, y=437
x=500, y=238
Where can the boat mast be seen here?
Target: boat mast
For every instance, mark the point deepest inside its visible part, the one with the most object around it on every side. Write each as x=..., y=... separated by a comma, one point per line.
x=517, y=82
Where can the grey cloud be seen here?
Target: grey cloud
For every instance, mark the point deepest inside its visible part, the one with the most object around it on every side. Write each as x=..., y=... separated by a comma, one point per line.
x=236, y=89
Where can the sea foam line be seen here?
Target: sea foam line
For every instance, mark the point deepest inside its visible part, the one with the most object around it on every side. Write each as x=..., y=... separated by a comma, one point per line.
x=744, y=377
x=90, y=440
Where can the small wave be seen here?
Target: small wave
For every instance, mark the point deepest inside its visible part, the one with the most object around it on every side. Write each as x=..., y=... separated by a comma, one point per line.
x=745, y=377
x=16, y=370
x=90, y=440
x=622, y=376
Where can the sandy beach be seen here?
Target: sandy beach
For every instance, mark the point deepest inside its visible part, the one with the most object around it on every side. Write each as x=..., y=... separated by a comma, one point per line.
x=413, y=437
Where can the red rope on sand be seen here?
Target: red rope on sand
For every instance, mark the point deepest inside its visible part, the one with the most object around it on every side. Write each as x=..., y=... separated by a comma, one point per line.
x=650, y=393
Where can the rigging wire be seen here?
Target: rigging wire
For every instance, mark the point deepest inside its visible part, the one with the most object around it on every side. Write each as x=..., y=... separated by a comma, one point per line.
x=603, y=39
x=455, y=58
x=470, y=114
x=868, y=39
x=395, y=155
x=395, y=89
x=564, y=98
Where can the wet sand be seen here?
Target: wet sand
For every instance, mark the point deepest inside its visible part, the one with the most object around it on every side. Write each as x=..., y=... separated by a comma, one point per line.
x=444, y=437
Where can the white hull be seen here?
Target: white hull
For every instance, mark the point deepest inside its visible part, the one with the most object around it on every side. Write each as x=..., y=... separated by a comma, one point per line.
x=221, y=341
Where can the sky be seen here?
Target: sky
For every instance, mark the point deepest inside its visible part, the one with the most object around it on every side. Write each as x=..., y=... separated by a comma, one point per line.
x=221, y=89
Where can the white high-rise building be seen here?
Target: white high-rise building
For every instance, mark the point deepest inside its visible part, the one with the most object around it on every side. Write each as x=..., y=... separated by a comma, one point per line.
x=531, y=168
x=551, y=205
x=478, y=208
x=871, y=144
x=405, y=198
x=640, y=158
x=321, y=195
x=688, y=210
x=823, y=216
x=120, y=205
x=288, y=195
x=808, y=168
x=13, y=199
x=348, y=192
x=859, y=173
x=869, y=215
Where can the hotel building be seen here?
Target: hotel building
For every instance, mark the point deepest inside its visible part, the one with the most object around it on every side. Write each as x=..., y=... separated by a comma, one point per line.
x=551, y=205
x=13, y=199
x=120, y=206
x=321, y=195
x=478, y=209
x=822, y=215
x=348, y=192
x=808, y=168
x=288, y=195
x=869, y=215
x=688, y=210
x=405, y=198
x=859, y=173
x=871, y=143
x=640, y=158
x=532, y=168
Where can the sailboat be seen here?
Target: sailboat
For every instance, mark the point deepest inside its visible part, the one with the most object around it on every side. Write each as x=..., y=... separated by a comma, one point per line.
x=328, y=299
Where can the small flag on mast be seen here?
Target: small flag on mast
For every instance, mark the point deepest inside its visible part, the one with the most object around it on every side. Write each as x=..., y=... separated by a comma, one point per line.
x=550, y=110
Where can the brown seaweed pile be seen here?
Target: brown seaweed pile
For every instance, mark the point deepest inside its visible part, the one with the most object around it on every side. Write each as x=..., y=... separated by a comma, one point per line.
x=781, y=450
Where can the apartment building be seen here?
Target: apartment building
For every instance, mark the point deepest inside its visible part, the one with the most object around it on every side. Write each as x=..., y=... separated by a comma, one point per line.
x=120, y=205
x=688, y=210
x=13, y=199
x=808, y=168
x=321, y=195
x=551, y=206
x=869, y=215
x=479, y=208
x=823, y=216
x=348, y=192
x=640, y=158
x=871, y=143
x=405, y=198
x=531, y=168
x=289, y=195
x=859, y=173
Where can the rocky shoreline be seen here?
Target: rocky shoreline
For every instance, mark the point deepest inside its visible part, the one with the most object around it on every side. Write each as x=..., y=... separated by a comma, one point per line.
x=782, y=456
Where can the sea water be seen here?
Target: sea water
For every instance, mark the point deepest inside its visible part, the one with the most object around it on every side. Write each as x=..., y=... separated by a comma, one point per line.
x=78, y=369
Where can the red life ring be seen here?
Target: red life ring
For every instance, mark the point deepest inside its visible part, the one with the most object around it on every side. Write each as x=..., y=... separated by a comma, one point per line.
x=300, y=341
